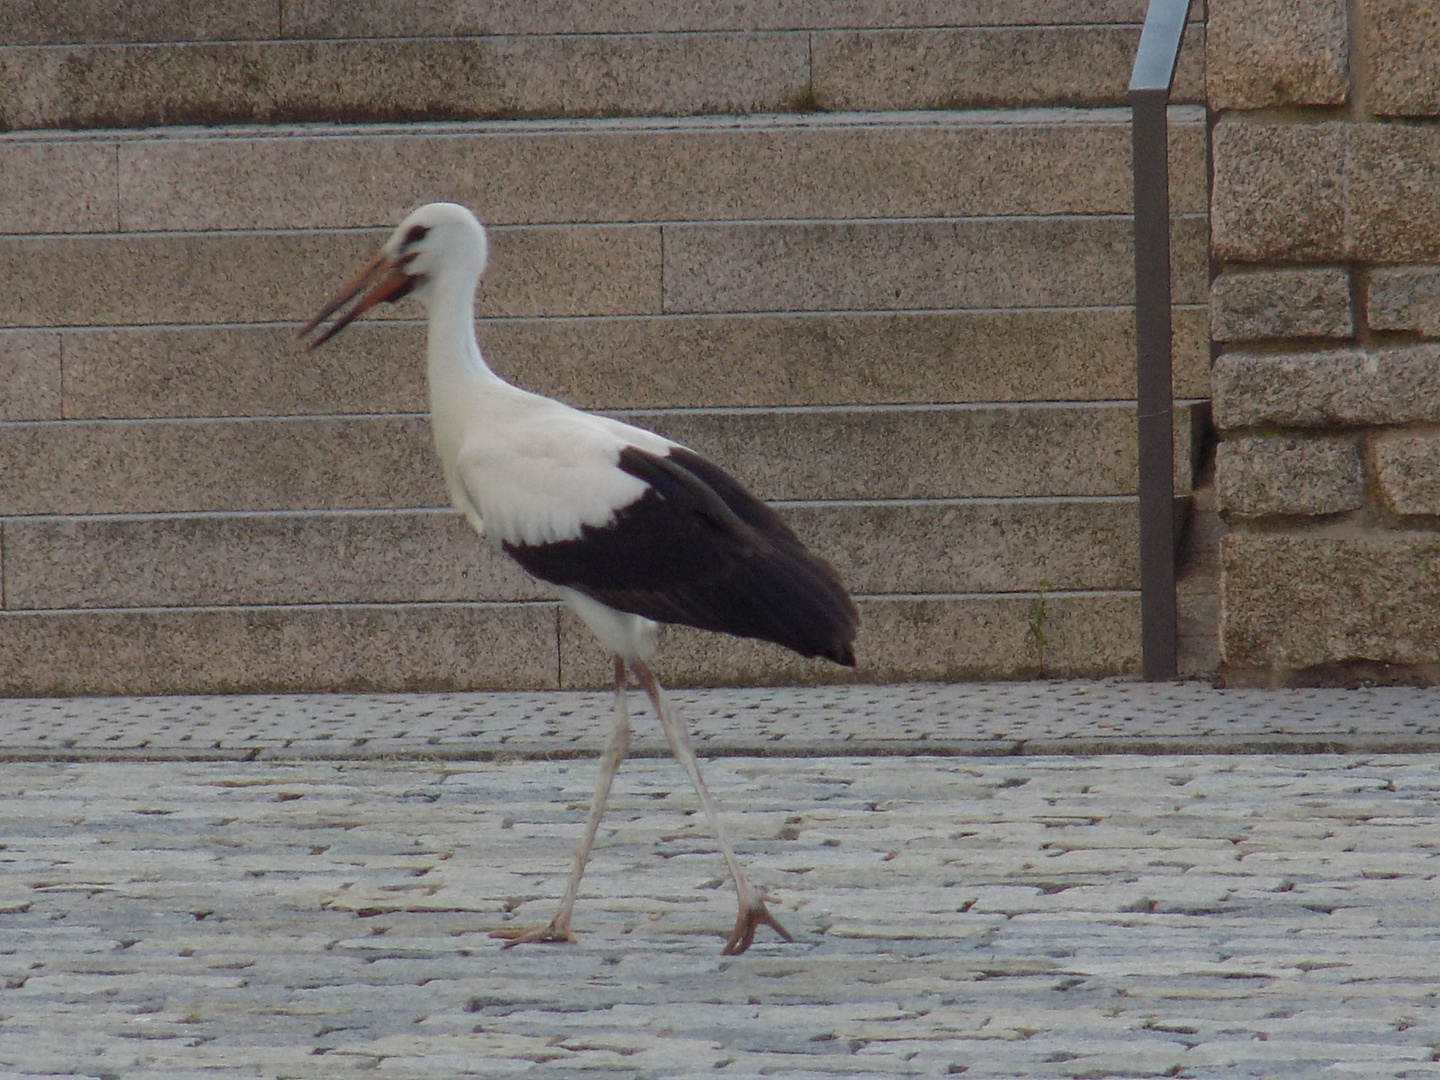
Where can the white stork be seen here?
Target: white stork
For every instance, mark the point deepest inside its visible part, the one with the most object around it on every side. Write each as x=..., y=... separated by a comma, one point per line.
x=633, y=529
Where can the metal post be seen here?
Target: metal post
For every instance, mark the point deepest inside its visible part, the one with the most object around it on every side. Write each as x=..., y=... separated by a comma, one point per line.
x=1154, y=398
x=1149, y=96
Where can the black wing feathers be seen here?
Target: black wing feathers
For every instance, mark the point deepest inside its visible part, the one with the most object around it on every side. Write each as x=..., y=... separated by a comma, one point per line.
x=698, y=549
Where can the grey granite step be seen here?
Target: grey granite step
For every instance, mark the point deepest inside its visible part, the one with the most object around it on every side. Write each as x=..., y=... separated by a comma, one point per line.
x=888, y=546
x=33, y=22
x=450, y=77
x=874, y=265
x=827, y=165
x=387, y=462
x=648, y=362
x=397, y=647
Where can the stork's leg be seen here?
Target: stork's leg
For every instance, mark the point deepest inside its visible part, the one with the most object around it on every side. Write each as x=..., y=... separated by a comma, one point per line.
x=753, y=912
x=558, y=928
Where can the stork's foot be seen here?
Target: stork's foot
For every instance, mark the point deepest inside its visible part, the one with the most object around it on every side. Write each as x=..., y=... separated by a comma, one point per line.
x=746, y=923
x=554, y=931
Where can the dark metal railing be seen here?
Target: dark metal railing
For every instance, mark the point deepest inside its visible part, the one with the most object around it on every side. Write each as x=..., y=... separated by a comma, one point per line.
x=1150, y=83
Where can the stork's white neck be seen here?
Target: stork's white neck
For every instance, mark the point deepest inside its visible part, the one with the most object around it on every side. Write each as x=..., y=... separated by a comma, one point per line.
x=463, y=389
x=452, y=353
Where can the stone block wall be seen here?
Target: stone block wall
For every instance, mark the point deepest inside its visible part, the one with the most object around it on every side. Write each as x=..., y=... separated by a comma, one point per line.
x=1325, y=312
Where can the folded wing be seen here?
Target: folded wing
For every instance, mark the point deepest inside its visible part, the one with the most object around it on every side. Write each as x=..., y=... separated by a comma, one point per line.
x=696, y=548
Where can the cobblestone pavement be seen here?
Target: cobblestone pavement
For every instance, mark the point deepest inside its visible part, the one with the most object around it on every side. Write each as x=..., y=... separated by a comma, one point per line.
x=1120, y=915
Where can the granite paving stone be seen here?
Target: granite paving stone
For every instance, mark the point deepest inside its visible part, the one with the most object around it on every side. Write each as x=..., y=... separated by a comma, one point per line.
x=311, y=914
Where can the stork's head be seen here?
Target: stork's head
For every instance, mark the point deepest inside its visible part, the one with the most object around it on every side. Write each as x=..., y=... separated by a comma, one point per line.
x=439, y=246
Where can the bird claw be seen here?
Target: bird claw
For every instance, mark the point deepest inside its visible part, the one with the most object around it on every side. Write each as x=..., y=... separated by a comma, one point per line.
x=746, y=923
x=552, y=932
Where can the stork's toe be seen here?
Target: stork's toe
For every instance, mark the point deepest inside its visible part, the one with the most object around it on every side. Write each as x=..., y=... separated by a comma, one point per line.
x=746, y=923
x=552, y=932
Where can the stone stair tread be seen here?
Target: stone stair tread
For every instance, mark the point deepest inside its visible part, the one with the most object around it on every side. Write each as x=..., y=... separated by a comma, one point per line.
x=520, y=17
x=1179, y=113
x=405, y=647
x=856, y=166
x=448, y=77
x=382, y=462
x=208, y=560
x=874, y=258
x=613, y=269
x=37, y=22
x=661, y=361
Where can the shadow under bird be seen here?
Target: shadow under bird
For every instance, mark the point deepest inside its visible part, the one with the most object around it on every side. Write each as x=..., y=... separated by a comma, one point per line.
x=632, y=529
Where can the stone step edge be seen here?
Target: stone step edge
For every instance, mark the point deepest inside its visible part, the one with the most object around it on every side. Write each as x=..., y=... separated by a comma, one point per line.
x=906, y=118
x=635, y=416
x=482, y=320
x=405, y=511
x=653, y=749
x=506, y=605
x=1045, y=717
x=760, y=28
x=537, y=646
x=381, y=232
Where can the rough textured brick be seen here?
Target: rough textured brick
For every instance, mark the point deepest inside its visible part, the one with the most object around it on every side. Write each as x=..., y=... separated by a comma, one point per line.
x=1279, y=192
x=1258, y=475
x=1327, y=192
x=1392, y=176
x=1281, y=304
x=1405, y=298
x=1318, y=389
x=1407, y=467
x=1262, y=53
x=1404, y=40
x=1297, y=602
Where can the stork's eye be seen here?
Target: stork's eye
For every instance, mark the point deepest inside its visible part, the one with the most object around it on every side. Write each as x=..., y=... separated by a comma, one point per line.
x=415, y=234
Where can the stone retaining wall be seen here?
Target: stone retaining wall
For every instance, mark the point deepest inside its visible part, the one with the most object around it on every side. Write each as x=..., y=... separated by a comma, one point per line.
x=1325, y=221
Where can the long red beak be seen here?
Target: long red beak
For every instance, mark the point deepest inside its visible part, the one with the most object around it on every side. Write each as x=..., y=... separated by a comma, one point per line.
x=382, y=278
